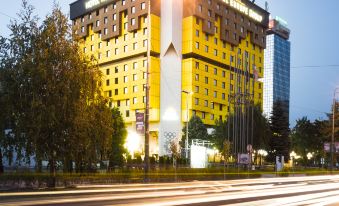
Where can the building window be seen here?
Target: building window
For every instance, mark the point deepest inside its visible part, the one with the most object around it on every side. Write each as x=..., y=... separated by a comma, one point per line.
x=116, y=92
x=196, y=89
x=107, y=71
x=197, y=45
x=125, y=79
x=127, y=113
x=125, y=68
x=133, y=9
x=212, y=117
x=143, y=5
x=215, y=94
x=108, y=53
x=223, y=73
x=116, y=80
x=133, y=21
x=197, y=65
x=125, y=90
x=197, y=33
x=135, y=100
x=116, y=69
x=135, y=77
x=114, y=17
x=197, y=77
x=196, y=101
x=200, y=8
x=206, y=68
x=135, y=88
x=206, y=103
x=203, y=115
x=215, y=82
x=206, y=48
x=206, y=80
x=206, y=92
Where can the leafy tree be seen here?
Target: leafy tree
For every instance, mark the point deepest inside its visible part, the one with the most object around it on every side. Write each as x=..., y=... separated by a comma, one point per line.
x=118, y=139
x=196, y=130
x=261, y=130
x=57, y=111
x=279, y=124
x=307, y=137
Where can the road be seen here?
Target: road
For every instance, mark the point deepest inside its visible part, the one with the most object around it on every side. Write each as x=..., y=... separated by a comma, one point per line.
x=315, y=190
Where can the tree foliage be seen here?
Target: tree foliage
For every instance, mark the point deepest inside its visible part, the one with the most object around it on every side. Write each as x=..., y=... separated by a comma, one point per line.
x=51, y=95
x=196, y=130
x=279, y=124
x=307, y=137
x=118, y=139
x=224, y=130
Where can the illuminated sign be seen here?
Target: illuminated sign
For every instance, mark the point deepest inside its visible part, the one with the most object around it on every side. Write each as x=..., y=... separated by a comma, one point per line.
x=244, y=9
x=92, y=3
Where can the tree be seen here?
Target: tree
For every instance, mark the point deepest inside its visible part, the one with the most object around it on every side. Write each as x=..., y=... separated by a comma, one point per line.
x=307, y=137
x=57, y=111
x=279, y=124
x=196, y=130
x=260, y=125
x=118, y=139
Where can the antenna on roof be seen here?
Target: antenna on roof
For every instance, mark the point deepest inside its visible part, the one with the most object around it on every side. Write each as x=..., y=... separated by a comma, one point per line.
x=253, y=1
x=266, y=5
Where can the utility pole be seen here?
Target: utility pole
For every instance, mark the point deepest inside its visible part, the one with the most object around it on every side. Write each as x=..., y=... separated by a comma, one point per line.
x=333, y=127
x=187, y=120
x=147, y=166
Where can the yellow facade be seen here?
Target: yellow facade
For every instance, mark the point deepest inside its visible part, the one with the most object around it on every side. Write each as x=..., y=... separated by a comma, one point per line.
x=123, y=63
x=209, y=81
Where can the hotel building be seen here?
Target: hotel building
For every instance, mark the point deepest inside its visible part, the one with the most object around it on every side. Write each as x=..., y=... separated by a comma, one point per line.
x=198, y=46
x=277, y=66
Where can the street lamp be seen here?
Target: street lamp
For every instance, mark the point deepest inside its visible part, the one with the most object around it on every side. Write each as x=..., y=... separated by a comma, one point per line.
x=187, y=119
x=336, y=90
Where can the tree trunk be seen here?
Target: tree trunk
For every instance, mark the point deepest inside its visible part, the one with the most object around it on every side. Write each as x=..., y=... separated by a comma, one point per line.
x=1, y=163
x=38, y=164
x=52, y=171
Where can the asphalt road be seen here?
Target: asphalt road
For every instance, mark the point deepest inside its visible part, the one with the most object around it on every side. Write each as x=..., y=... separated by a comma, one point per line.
x=316, y=190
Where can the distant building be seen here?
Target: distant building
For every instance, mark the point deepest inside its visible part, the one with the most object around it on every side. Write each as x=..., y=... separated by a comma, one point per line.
x=277, y=65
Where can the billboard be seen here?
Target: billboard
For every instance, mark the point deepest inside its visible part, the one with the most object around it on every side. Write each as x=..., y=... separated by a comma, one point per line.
x=140, y=122
x=244, y=159
x=327, y=147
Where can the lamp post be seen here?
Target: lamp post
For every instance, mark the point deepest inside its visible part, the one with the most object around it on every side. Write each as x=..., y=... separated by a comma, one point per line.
x=147, y=95
x=336, y=90
x=187, y=119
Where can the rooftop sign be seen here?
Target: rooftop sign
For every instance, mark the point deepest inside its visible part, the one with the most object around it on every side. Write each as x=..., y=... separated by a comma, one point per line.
x=242, y=8
x=93, y=3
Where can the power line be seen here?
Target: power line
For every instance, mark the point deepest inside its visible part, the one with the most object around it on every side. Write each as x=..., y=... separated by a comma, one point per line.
x=8, y=15
x=332, y=66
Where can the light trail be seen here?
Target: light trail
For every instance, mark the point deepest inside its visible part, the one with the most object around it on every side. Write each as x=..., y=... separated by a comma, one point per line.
x=312, y=190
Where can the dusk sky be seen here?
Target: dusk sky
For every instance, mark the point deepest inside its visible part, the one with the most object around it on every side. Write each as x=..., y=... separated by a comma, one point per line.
x=314, y=48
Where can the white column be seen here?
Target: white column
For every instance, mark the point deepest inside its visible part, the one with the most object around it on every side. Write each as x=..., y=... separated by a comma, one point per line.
x=170, y=77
